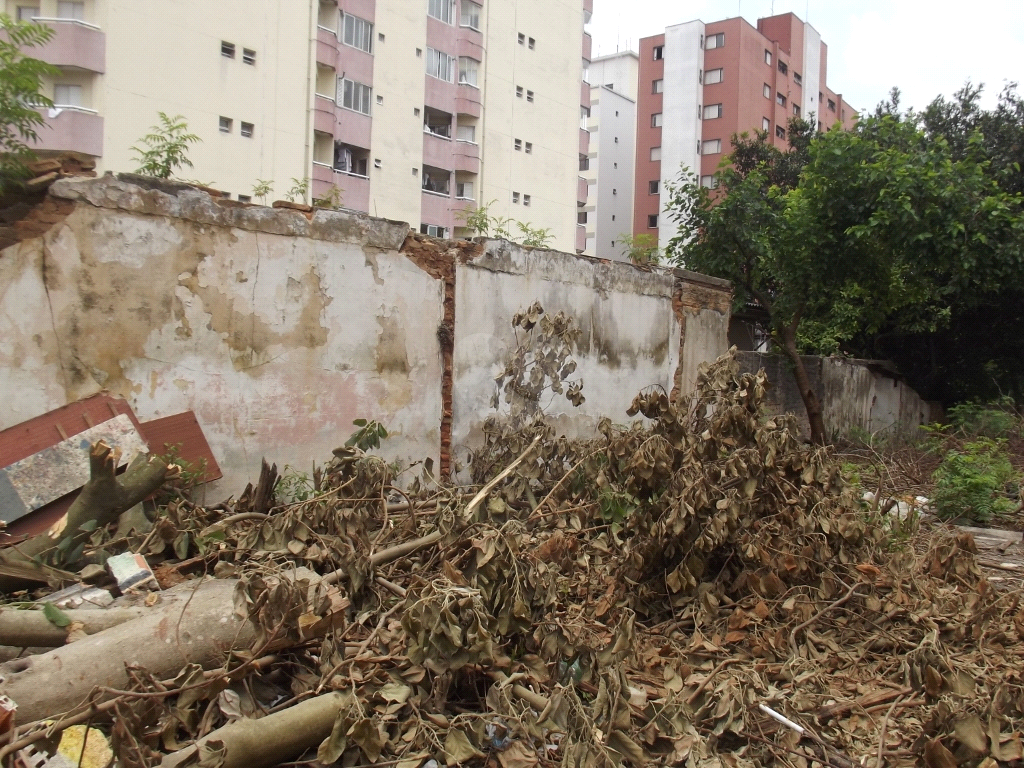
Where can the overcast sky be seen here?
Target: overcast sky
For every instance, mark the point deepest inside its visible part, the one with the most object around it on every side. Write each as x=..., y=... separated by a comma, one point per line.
x=925, y=47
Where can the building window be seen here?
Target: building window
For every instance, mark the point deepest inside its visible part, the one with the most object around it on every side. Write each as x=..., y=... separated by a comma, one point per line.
x=529, y=95
x=249, y=56
x=442, y=10
x=468, y=71
x=616, y=139
x=656, y=120
x=27, y=12
x=712, y=111
x=227, y=49
x=767, y=91
x=652, y=187
x=796, y=110
x=67, y=95
x=470, y=15
x=615, y=191
x=526, y=199
x=440, y=65
x=711, y=147
x=529, y=148
x=434, y=230
x=715, y=41
x=247, y=130
x=522, y=39
x=519, y=91
x=466, y=133
x=225, y=124
x=245, y=198
x=464, y=190
x=518, y=144
x=655, y=154
x=819, y=125
x=354, y=96
x=531, y=43
x=380, y=99
x=584, y=117
x=831, y=105
x=767, y=57
x=780, y=99
x=780, y=131
x=659, y=52
x=357, y=32
x=584, y=163
x=437, y=180
x=658, y=86
x=709, y=182
x=797, y=79
x=515, y=198
x=652, y=221
x=438, y=123
x=581, y=217
x=380, y=37
x=347, y=161
x=713, y=76
x=783, y=67
x=71, y=10
x=766, y=124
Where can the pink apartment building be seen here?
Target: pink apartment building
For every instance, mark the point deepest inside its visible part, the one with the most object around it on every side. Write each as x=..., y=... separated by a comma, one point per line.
x=701, y=83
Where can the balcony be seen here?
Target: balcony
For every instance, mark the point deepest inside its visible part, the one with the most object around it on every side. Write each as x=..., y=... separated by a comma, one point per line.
x=355, y=189
x=75, y=45
x=323, y=114
x=582, y=190
x=466, y=156
x=355, y=64
x=588, y=45
x=326, y=47
x=364, y=9
x=585, y=94
x=581, y=238
x=588, y=10
x=584, y=141
x=352, y=127
x=443, y=96
x=72, y=129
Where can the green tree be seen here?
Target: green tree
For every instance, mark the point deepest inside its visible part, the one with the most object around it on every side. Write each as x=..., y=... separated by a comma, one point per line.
x=639, y=249
x=166, y=147
x=20, y=98
x=882, y=225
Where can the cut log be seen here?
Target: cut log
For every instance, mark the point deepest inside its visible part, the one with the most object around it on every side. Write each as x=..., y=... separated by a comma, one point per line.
x=101, y=502
x=265, y=742
x=200, y=630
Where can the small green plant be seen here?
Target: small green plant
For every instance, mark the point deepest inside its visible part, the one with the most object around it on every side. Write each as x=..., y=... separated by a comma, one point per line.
x=166, y=147
x=971, y=482
x=330, y=199
x=300, y=188
x=481, y=223
x=640, y=249
x=368, y=436
x=262, y=189
x=293, y=486
x=192, y=475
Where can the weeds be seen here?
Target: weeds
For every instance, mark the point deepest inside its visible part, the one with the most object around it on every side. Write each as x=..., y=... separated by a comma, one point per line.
x=972, y=481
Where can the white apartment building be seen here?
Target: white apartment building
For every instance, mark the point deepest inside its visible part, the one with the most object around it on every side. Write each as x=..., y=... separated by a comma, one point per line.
x=407, y=109
x=608, y=167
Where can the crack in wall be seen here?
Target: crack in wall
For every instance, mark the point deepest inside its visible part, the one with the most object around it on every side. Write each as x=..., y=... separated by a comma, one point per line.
x=45, y=251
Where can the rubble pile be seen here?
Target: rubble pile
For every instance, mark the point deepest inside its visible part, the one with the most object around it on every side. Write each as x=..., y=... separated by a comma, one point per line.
x=699, y=588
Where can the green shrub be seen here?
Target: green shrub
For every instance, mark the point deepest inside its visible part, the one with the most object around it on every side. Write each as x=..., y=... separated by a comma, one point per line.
x=988, y=420
x=971, y=482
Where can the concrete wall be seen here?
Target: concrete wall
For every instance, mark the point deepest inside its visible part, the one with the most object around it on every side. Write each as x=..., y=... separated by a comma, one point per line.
x=855, y=395
x=279, y=327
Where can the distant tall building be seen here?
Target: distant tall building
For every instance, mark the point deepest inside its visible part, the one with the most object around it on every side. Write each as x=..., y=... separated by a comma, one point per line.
x=701, y=83
x=414, y=109
x=608, y=167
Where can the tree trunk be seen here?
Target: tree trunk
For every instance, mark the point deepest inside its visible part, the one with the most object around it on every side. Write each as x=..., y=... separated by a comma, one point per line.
x=100, y=502
x=811, y=402
x=201, y=630
x=270, y=740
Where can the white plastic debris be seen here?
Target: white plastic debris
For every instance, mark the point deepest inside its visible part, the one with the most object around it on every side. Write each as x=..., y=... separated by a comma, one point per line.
x=81, y=596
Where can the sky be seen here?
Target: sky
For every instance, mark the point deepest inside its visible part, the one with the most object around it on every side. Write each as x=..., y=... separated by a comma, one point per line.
x=923, y=47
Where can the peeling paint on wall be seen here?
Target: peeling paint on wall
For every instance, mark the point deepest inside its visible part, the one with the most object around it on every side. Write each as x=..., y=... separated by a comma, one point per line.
x=279, y=327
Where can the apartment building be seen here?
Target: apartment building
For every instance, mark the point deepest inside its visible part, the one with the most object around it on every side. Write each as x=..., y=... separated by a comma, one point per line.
x=608, y=167
x=701, y=83
x=407, y=109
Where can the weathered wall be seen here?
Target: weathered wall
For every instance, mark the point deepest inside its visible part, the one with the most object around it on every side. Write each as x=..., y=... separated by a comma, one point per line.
x=855, y=394
x=630, y=335
x=279, y=327
x=277, y=330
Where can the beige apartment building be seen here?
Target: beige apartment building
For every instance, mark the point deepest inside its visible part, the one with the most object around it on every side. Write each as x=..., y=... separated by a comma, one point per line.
x=410, y=109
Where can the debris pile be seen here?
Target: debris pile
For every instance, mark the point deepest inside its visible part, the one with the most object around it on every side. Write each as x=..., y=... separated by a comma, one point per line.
x=699, y=588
